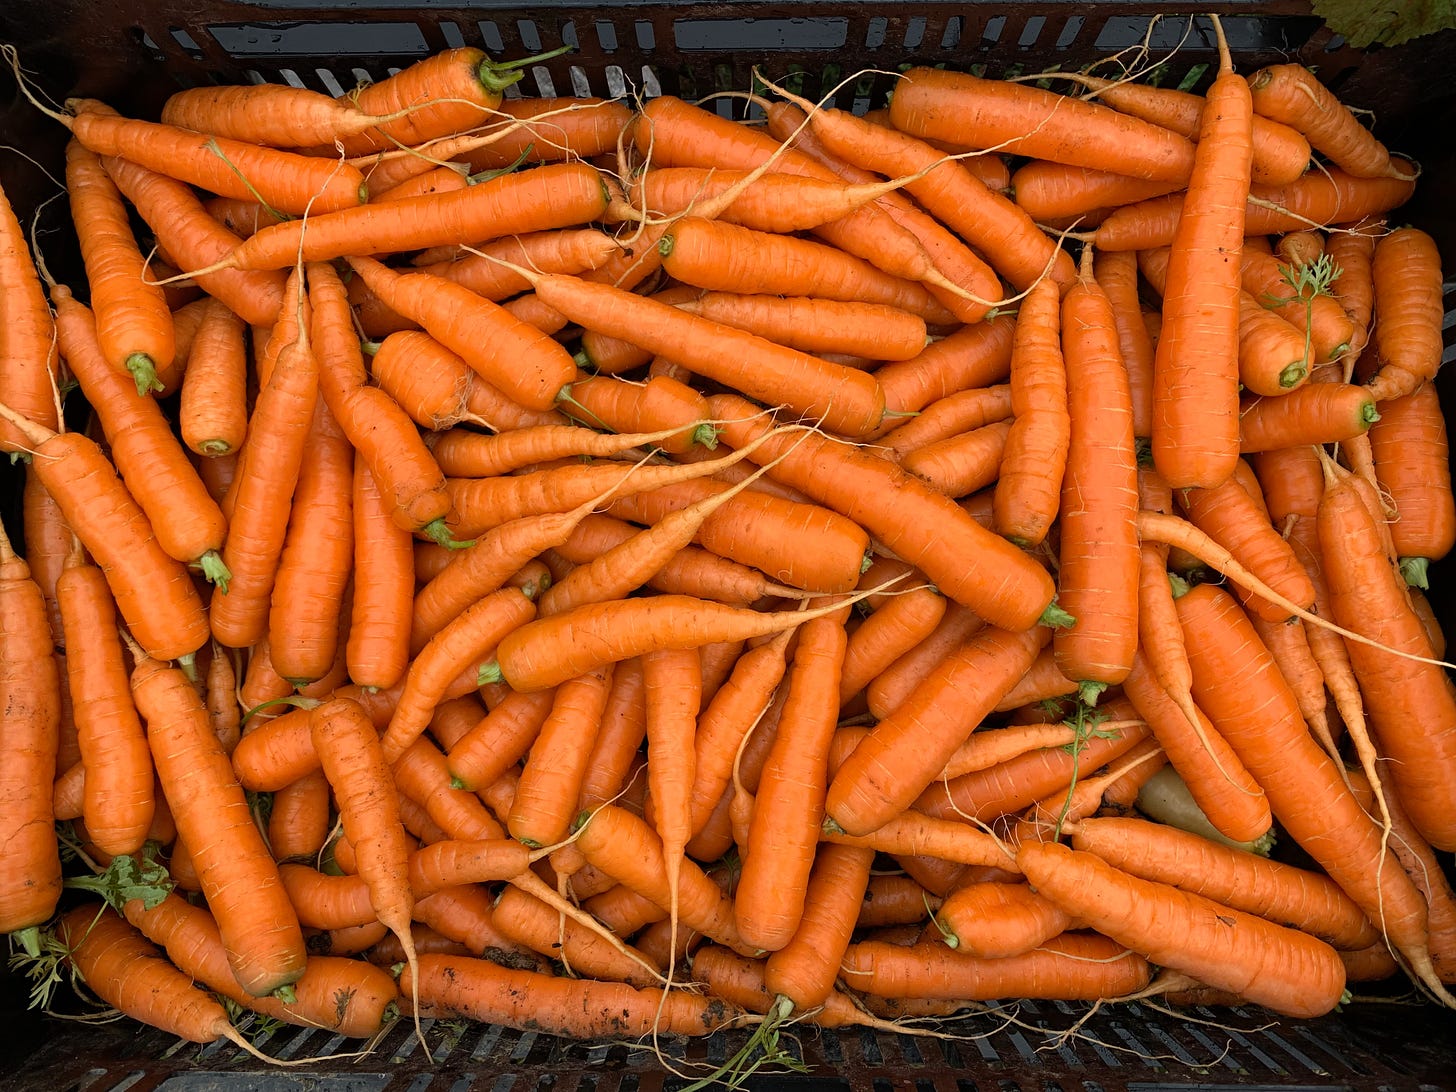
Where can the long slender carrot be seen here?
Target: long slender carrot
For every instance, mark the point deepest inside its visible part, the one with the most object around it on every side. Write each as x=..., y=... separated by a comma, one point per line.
x=27, y=334
x=1195, y=375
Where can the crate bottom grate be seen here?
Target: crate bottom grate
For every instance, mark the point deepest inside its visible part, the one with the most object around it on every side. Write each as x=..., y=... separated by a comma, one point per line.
x=1124, y=1048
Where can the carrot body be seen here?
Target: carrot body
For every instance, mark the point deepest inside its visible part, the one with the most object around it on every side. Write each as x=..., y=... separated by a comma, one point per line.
x=1289, y=93
x=1025, y=120
x=29, y=736
x=238, y=877
x=1412, y=466
x=27, y=344
x=553, y=196
x=378, y=645
x=812, y=325
x=1316, y=413
x=291, y=183
x=1245, y=881
x=546, y=798
x=1407, y=277
x=1099, y=547
x=133, y=326
x=1280, y=968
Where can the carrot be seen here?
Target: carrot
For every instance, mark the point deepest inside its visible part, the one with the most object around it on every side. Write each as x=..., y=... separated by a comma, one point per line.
x=442, y=94
x=532, y=924
x=1098, y=548
x=986, y=220
x=630, y=851
x=29, y=734
x=1290, y=94
x=1281, y=153
x=568, y=250
x=1233, y=519
x=1409, y=446
x=133, y=326
x=546, y=798
x=696, y=251
x=27, y=335
x=298, y=822
x=1254, y=710
x=187, y=523
x=118, y=803
x=977, y=355
x=550, y=128
x=1069, y=967
x=1116, y=274
x=893, y=629
x=553, y=196
x=1317, y=413
x=290, y=183
x=213, y=411
x=422, y=775
x=961, y=464
x=877, y=331
x=1195, y=380
x=454, y=986
x=1015, y=784
x=1246, y=881
x=998, y=920
x=1400, y=693
x=1326, y=196
x=127, y=973
x=782, y=203
x=47, y=546
x=526, y=365
x=1223, y=789
x=1282, y=969
x=1353, y=250
x=1049, y=191
x=378, y=645
x=238, y=877
x=345, y=996
x=893, y=685
x=990, y=747
x=322, y=901
x=894, y=508
x=623, y=406
x=909, y=748
x=946, y=417
x=1407, y=341
x=1022, y=120
x=153, y=591
x=458, y=645
x=273, y=114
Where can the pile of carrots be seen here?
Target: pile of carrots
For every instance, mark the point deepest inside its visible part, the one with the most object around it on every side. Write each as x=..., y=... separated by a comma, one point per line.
x=624, y=572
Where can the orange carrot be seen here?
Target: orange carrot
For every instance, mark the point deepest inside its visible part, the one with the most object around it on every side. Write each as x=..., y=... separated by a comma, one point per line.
x=1407, y=341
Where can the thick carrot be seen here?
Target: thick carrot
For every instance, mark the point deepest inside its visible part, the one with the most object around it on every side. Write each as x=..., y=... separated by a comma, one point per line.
x=213, y=412
x=977, y=355
x=1195, y=375
x=998, y=920
x=298, y=821
x=1316, y=413
x=1290, y=94
x=624, y=406
x=804, y=970
x=238, y=877
x=1236, y=682
x=1246, y=881
x=812, y=325
x=1282, y=969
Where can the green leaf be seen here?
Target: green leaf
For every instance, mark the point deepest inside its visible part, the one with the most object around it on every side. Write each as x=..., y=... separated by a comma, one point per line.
x=1387, y=22
x=129, y=877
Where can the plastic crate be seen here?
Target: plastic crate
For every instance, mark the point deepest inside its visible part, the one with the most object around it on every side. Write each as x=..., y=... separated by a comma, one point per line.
x=133, y=53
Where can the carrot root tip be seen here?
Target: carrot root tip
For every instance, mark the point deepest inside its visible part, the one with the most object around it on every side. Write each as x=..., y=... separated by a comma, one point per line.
x=144, y=372
x=215, y=570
